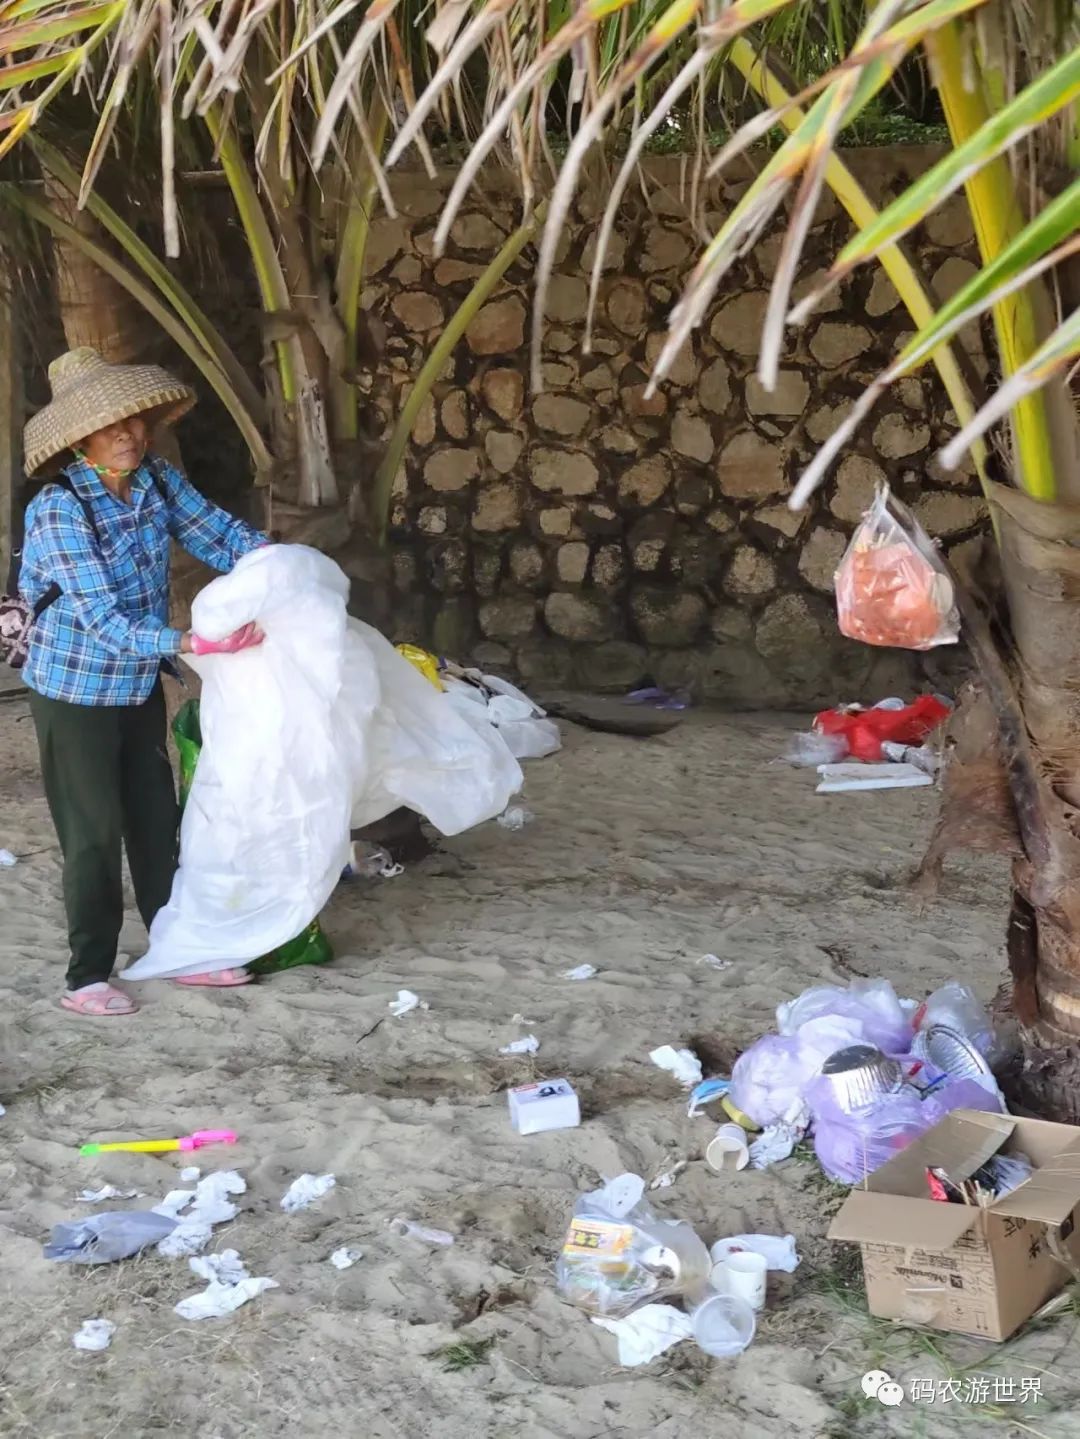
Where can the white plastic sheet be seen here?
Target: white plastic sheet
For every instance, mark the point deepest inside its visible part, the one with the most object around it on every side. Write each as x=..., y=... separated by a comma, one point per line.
x=524, y=726
x=322, y=728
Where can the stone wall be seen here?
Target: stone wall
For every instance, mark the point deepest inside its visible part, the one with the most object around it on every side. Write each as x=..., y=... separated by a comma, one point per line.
x=593, y=535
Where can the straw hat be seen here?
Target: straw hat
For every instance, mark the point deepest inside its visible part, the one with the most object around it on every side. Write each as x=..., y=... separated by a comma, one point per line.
x=89, y=393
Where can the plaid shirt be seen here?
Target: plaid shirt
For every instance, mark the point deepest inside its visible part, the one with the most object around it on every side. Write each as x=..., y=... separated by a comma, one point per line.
x=102, y=642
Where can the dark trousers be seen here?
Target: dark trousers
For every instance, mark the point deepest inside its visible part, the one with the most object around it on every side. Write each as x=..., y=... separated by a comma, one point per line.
x=109, y=784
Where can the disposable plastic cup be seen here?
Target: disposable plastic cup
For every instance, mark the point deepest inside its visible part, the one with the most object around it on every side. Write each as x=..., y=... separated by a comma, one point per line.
x=723, y=1325
x=728, y=1149
x=742, y=1275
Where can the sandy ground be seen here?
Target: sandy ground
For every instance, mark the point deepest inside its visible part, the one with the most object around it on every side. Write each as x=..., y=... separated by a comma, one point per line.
x=644, y=856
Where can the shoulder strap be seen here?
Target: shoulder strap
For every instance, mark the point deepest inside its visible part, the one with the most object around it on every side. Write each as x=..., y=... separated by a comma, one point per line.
x=53, y=593
x=157, y=476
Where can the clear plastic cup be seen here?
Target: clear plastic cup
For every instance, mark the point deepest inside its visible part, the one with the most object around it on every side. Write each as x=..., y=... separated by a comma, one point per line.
x=723, y=1326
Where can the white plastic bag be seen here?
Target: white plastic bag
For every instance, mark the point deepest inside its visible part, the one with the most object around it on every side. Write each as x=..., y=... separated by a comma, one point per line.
x=322, y=728
x=520, y=722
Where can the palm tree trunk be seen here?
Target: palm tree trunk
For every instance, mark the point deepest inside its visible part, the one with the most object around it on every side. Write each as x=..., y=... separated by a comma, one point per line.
x=1040, y=556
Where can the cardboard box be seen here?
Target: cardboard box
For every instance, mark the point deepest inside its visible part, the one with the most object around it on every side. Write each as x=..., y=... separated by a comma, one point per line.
x=957, y=1266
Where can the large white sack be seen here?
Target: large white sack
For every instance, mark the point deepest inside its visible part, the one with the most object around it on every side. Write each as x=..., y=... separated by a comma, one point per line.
x=322, y=728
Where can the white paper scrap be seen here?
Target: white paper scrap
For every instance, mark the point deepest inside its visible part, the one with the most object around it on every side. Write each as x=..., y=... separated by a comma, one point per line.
x=529, y=1044
x=95, y=1335
x=682, y=1063
x=305, y=1190
x=648, y=1332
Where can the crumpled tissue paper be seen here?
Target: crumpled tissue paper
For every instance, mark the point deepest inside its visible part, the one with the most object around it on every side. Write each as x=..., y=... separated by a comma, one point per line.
x=95, y=1335
x=647, y=1332
x=682, y=1063
x=405, y=1003
x=305, y=1190
x=205, y=1205
x=345, y=1258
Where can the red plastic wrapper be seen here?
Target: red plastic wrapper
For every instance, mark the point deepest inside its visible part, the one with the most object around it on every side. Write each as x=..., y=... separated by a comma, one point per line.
x=865, y=730
x=889, y=592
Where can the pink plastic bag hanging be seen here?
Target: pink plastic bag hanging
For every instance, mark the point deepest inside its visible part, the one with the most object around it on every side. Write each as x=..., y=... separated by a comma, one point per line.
x=889, y=589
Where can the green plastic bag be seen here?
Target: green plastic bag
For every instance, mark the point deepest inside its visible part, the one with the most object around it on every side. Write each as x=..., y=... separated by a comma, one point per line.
x=188, y=736
x=309, y=947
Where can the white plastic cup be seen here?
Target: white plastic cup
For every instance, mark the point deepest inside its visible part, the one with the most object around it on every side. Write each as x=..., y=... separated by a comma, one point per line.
x=723, y=1326
x=728, y=1149
x=742, y=1275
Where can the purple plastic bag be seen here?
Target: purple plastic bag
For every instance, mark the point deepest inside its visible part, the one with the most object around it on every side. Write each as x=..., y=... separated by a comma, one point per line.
x=851, y=1146
x=768, y=1079
x=872, y=1003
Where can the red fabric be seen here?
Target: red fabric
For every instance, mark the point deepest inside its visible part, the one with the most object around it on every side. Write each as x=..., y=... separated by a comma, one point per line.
x=866, y=729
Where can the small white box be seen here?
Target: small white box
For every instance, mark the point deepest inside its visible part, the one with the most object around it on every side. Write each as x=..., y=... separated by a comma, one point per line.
x=547, y=1104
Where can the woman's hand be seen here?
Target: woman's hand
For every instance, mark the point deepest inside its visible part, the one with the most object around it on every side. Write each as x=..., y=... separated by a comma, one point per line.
x=242, y=639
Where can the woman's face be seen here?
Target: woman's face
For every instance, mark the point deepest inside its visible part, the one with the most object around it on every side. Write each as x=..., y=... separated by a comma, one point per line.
x=117, y=447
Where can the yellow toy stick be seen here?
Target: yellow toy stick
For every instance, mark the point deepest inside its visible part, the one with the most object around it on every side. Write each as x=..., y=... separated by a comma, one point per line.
x=163, y=1146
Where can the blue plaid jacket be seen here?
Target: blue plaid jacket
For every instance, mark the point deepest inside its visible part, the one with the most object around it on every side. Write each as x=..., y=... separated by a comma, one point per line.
x=102, y=642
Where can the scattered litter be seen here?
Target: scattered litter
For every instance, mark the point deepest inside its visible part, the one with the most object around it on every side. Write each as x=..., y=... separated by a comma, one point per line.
x=808, y=749
x=528, y=1044
x=3, y=1111
x=723, y=1325
x=367, y=863
x=205, y=1205
x=955, y=1006
x=515, y=817
x=742, y=1274
x=843, y=778
x=647, y=1332
x=778, y=1253
x=345, y=1258
x=520, y=722
x=668, y=1177
x=95, y=1335
x=682, y=1063
x=107, y=1191
x=305, y=1190
x=617, y=1254
x=405, y=1003
x=190, y=1174
x=727, y=1150
x=224, y=1268
x=864, y=731
x=7, y=859
x=776, y=1142
x=657, y=699
x=218, y=1299
x=103, y=1238
x=411, y=1230
x=921, y=756
x=713, y=961
x=581, y=971
x=547, y=1104
x=520, y=1019
x=705, y=1092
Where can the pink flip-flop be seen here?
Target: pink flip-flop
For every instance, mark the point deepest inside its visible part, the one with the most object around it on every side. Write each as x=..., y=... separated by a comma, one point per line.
x=217, y=979
x=102, y=1001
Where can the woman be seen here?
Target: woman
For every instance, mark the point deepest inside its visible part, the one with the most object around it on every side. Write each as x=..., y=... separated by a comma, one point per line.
x=99, y=542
